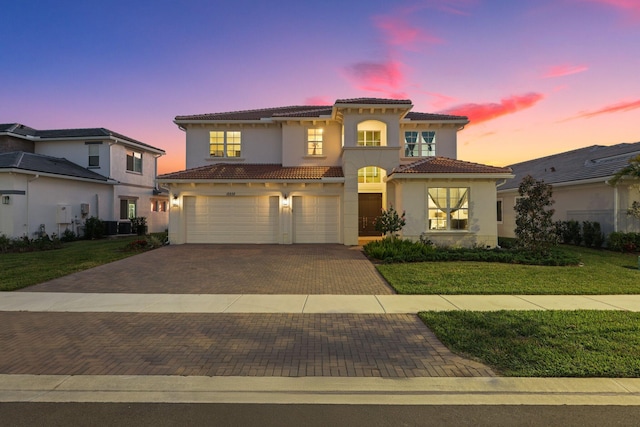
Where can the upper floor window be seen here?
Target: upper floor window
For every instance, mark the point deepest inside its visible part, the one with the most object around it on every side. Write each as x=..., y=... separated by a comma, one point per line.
x=448, y=208
x=369, y=138
x=314, y=142
x=94, y=155
x=369, y=174
x=134, y=161
x=225, y=143
x=419, y=144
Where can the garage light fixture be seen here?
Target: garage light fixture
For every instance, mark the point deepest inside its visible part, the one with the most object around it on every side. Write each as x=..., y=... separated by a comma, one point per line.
x=285, y=200
x=175, y=201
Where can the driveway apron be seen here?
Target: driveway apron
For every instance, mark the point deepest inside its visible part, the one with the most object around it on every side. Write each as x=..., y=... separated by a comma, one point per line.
x=227, y=344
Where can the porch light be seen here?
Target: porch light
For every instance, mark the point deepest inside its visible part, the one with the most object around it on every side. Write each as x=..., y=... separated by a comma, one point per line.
x=175, y=201
x=285, y=200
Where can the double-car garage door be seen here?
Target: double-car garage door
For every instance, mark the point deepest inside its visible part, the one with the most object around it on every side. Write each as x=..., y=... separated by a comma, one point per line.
x=257, y=219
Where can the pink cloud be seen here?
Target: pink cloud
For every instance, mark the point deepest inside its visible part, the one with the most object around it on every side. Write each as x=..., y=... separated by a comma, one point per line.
x=631, y=8
x=377, y=76
x=318, y=100
x=613, y=108
x=564, y=70
x=398, y=32
x=479, y=113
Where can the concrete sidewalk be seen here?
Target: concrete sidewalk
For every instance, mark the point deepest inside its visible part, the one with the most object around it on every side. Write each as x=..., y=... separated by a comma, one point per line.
x=320, y=390
x=316, y=304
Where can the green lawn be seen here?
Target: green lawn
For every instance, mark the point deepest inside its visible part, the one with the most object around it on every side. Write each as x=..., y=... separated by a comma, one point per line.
x=25, y=269
x=544, y=343
x=602, y=272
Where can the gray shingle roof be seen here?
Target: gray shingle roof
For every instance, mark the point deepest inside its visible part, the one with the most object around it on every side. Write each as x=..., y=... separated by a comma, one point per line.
x=596, y=161
x=22, y=130
x=46, y=164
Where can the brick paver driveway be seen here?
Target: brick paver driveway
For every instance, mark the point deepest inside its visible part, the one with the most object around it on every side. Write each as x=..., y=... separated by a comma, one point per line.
x=231, y=269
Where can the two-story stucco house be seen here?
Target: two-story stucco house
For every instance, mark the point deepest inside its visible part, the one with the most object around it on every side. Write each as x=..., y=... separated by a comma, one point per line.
x=53, y=180
x=322, y=174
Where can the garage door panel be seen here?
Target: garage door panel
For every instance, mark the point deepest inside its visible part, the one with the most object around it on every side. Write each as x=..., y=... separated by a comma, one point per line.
x=316, y=219
x=241, y=219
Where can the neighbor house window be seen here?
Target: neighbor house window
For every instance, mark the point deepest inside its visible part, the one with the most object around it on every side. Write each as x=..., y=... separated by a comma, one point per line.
x=94, y=154
x=370, y=174
x=158, y=205
x=448, y=208
x=134, y=161
x=369, y=138
x=127, y=208
x=314, y=142
x=419, y=144
x=225, y=144
x=499, y=210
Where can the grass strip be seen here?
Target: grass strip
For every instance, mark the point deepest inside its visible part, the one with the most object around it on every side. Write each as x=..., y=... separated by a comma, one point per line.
x=582, y=343
x=20, y=270
x=601, y=272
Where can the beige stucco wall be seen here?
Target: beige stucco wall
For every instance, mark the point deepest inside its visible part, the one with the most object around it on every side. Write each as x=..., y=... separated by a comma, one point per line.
x=410, y=196
x=294, y=143
x=261, y=143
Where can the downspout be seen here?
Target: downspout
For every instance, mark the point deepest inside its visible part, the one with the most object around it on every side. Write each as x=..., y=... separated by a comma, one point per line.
x=28, y=193
x=616, y=201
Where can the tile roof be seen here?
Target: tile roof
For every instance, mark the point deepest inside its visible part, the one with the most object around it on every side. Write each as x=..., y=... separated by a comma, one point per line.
x=596, y=161
x=22, y=130
x=311, y=111
x=46, y=164
x=445, y=165
x=263, y=172
x=369, y=101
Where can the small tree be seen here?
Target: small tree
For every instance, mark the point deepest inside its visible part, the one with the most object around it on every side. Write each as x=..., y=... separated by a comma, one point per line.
x=390, y=222
x=632, y=170
x=534, y=226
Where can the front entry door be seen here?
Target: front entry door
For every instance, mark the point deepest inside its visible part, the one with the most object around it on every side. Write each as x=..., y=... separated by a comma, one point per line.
x=369, y=208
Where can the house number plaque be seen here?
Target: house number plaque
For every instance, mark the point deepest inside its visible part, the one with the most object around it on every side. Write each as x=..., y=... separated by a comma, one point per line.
x=231, y=193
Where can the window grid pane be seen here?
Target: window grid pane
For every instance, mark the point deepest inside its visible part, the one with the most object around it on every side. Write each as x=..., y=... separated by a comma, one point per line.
x=314, y=141
x=448, y=208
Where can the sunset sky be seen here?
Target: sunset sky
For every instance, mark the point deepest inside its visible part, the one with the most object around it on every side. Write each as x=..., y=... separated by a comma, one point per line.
x=535, y=77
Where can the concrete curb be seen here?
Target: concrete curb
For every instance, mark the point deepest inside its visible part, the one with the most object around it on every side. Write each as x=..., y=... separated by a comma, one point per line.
x=321, y=390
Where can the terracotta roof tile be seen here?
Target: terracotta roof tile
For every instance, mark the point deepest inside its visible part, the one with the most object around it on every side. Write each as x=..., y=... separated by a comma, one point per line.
x=447, y=165
x=263, y=172
x=374, y=101
x=431, y=116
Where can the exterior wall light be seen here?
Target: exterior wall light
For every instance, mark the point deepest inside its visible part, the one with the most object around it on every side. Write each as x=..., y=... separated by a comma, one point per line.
x=175, y=201
x=285, y=200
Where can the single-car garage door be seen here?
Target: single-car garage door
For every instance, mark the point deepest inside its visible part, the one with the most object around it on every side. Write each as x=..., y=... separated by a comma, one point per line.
x=316, y=219
x=237, y=219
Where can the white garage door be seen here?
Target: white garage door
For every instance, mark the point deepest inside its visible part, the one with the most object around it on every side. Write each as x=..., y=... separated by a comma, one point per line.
x=316, y=219
x=235, y=219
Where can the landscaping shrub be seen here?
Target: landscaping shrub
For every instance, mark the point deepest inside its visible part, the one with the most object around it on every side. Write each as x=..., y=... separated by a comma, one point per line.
x=403, y=250
x=93, y=228
x=572, y=234
x=68, y=236
x=592, y=235
x=24, y=244
x=139, y=225
x=624, y=242
x=534, y=227
x=390, y=222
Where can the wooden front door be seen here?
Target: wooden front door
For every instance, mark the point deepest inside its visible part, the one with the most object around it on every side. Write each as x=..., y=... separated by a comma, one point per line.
x=369, y=208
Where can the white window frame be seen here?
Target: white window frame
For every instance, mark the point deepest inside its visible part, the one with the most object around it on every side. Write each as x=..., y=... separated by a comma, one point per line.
x=315, y=141
x=422, y=147
x=93, y=151
x=369, y=138
x=444, y=215
x=229, y=140
x=135, y=165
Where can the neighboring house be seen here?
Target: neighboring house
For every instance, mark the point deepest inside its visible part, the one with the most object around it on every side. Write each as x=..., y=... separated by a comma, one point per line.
x=580, y=188
x=53, y=180
x=322, y=174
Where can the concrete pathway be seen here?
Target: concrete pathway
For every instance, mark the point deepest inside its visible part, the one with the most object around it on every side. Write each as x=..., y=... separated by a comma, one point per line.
x=321, y=390
x=316, y=304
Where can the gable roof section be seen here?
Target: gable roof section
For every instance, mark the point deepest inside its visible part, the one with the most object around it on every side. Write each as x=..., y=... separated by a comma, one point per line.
x=20, y=130
x=596, y=161
x=38, y=163
x=260, y=172
x=312, y=111
x=445, y=165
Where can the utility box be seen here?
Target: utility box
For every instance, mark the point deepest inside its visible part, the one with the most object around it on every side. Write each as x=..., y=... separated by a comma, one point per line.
x=63, y=214
x=85, y=209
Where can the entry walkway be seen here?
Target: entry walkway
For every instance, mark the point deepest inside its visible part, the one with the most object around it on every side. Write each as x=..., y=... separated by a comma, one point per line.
x=311, y=304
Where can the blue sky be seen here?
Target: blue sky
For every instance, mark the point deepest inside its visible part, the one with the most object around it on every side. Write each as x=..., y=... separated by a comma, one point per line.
x=535, y=77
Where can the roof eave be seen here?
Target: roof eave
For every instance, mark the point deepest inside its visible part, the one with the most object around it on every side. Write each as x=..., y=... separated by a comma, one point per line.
x=108, y=181
x=328, y=180
x=459, y=176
